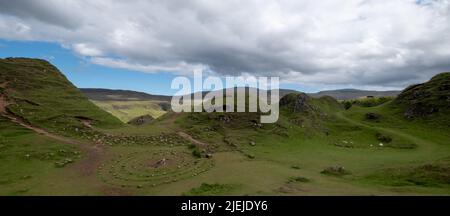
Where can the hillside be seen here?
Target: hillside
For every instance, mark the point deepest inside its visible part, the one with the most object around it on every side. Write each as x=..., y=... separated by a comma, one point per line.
x=37, y=92
x=127, y=105
x=348, y=94
x=299, y=114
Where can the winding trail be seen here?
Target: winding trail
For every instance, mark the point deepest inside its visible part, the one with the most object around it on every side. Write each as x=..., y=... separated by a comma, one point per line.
x=171, y=120
x=191, y=139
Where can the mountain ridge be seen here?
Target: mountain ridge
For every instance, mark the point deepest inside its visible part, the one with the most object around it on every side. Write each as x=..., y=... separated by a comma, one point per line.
x=118, y=94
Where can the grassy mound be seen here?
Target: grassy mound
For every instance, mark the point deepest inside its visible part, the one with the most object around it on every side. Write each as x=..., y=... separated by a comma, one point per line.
x=299, y=113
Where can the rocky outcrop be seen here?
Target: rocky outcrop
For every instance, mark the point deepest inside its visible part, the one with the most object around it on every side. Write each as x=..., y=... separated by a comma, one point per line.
x=427, y=99
x=141, y=120
x=297, y=102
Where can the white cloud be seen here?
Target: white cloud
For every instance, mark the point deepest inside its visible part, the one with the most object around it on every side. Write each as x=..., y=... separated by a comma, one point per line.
x=86, y=50
x=181, y=68
x=365, y=43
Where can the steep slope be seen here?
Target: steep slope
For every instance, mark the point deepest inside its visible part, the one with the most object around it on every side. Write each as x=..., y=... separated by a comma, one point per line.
x=430, y=99
x=37, y=92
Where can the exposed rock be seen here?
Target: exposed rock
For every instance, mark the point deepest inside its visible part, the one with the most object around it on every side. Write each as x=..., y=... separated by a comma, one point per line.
x=383, y=138
x=372, y=116
x=141, y=120
x=427, y=99
x=297, y=102
x=225, y=118
x=336, y=171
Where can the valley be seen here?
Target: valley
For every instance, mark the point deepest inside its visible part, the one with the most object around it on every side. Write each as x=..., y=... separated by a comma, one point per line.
x=55, y=140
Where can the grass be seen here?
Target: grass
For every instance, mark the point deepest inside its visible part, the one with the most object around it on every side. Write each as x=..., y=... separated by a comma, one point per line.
x=298, y=179
x=434, y=174
x=28, y=159
x=206, y=189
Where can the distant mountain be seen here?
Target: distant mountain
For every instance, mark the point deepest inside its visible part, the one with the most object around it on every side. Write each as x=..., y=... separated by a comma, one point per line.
x=348, y=94
x=282, y=92
x=99, y=94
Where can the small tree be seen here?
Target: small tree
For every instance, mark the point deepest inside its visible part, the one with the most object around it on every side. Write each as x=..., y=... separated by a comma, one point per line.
x=347, y=105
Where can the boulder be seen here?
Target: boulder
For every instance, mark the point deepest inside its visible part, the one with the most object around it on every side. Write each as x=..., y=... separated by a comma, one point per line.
x=372, y=116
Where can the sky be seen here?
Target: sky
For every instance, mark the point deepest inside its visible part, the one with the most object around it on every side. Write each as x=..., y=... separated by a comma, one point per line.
x=311, y=45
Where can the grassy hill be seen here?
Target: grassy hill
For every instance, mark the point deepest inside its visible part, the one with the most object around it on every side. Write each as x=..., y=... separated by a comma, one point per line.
x=299, y=114
x=39, y=93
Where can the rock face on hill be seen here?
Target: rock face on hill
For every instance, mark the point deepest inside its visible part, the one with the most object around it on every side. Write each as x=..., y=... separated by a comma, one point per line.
x=40, y=94
x=297, y=102
x=427, y=99
x=302, y=103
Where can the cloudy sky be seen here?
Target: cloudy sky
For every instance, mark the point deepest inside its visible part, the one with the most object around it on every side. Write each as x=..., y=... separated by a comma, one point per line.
x=369, y=44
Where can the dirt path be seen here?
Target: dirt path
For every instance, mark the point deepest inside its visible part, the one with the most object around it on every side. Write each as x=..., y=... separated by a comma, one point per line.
x=93, y=154
x=184, y=135
x=191, y=139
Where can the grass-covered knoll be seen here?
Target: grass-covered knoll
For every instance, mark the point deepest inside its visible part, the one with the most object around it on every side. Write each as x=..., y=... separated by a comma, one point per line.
x=431, y=174
x=299, y=113
x=39, y=93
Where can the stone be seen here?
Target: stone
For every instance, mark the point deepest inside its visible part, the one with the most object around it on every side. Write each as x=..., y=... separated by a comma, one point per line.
x=372, y=116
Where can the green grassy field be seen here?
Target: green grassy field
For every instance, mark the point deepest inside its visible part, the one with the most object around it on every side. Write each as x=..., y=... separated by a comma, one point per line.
x=49, y=147
x=268, y=167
